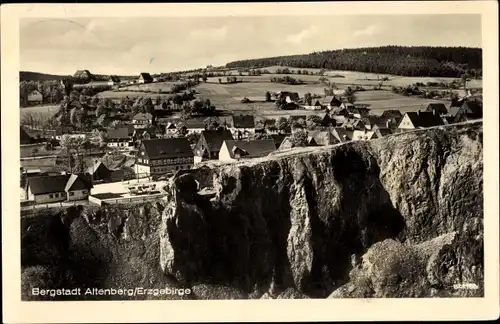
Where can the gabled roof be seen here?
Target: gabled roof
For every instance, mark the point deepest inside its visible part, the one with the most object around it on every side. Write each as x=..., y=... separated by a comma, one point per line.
x=424, y=119
x=167, y=148
x=215, y=138
x=251, y=148
x=25, y=138
x=78, y=182
x=146, y=76
x=439, y=108
x=393, y=113
x=48, y=184
x=243, y=121
x=143, y=116
x=473, y=109
x=322, y=137
x=363, y=135
x=278, y=139
x=95, y=167
x=342, y=134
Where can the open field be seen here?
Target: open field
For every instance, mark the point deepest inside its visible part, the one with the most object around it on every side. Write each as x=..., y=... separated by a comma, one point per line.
x=45, y=109
x=117, y=95
x=359, y=78
x=157, y=86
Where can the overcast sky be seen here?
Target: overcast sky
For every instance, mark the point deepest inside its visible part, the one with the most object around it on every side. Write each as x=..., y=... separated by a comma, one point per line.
x=133, y=45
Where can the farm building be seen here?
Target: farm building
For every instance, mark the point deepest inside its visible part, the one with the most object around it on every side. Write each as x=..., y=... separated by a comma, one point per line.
x=35, y=97
x=145, y=78
x=278, y=139
x=470, y=110
x=242, y=126
x=437, y=108
x=419, y=119
x=170, y=129
x=210, y=143
x=232, y=150
x=162, y=156
x=99, y=172
x=392, y=113
x=49, y=189
x=289, y=96
x=193, y=125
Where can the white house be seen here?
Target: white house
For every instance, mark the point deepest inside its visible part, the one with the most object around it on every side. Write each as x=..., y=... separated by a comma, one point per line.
x=35, y=97
x=233, y=150
x=420, y=119
x=58, y=188
x=242, y=126
x=142, y=120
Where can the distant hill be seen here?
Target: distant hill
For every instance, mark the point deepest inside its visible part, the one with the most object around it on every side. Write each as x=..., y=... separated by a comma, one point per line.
x=36, y=76
x=396, y=60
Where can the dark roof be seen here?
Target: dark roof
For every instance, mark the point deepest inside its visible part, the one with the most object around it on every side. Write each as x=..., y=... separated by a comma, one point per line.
x=96, y=167
x=215, y=138
x=48, y=184
x=393, y=113
x=146, y=76
x=383, y=131
x=78, y=182
x=167, y=147
x=25, y=138
x=193, y=123
x=473, y=109
x=278, y=139
x=341, y=134
x=424, y=119
x=243, y=121
x=440, y=108
x=251, y=148
x=119, y=133
x=322, y=137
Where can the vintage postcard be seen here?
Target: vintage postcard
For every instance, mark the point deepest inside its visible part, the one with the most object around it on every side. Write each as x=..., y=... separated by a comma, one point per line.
x=250, y=161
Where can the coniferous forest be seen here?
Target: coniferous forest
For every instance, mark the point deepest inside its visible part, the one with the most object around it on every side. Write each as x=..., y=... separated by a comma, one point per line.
x=396, y=60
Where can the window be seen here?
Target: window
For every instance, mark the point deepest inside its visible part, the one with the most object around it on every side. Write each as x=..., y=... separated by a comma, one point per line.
x=51, y=196
x=84, y=192
x=71, y=193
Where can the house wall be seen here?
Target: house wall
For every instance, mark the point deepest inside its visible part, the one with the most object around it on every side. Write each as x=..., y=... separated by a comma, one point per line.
x=78, y=195
x=195, y=130
x=406, y=123
x=224, y=154
x=35, y=97
x=47, y=198
x=142, y=169
x=119, y=144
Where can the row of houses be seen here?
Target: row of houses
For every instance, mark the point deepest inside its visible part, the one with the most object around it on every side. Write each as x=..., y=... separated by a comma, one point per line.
x=84, y=76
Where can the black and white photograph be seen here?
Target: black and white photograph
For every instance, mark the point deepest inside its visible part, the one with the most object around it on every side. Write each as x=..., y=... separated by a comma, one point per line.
x=250, y=157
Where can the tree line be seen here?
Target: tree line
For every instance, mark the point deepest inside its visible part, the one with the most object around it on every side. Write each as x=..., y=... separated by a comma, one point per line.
x=396, y=60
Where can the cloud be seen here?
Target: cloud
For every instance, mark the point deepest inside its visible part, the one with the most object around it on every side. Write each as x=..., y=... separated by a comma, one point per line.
x=212, y=34
x=368, y=31
x=298, y=38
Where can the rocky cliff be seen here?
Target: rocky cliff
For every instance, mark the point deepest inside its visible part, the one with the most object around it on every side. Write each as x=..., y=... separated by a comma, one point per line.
x=399, y=216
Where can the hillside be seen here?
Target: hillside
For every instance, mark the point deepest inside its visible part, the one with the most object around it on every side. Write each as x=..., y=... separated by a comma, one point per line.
x=36, y=76
x=396, y=60
x=399, y=216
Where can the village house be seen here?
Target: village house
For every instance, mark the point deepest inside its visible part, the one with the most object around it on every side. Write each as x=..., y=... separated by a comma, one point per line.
x=64, y=130
x=233, y=150
x=270, y=126
x=193, y=125
x=278, y=139
x=25, y=138
x=356, y=111
x=316, y=106
x=322, y=138
x=170, y=129
x=419, y=119
x=242, y=126
x=145, y=78
x=331, y=102
x=360, y=135
x=142, y=120
x=83, y=76
x=470, y=110
x=98, y=172
x=35, y=97
x=58, y=188
x=437, y=108
x=341, y=134
x=113, y=80
x=290, y=97
x=210, y=143
x=381, y=132
x=120, y=137
x=288, y=143
x=164, y=155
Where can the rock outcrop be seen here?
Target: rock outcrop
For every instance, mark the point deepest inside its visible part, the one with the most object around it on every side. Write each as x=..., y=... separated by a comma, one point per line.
x=399, y=216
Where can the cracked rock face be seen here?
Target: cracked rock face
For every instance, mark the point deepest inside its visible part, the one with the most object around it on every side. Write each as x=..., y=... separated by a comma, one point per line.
x=400, y=216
